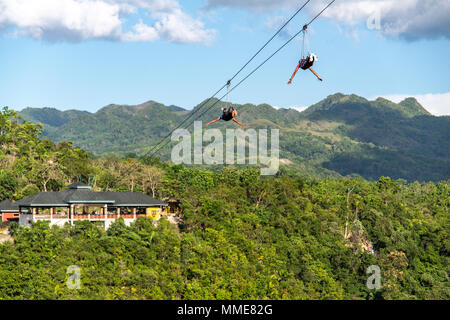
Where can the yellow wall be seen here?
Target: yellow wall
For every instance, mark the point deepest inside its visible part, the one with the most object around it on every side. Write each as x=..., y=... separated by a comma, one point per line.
x=154, y=213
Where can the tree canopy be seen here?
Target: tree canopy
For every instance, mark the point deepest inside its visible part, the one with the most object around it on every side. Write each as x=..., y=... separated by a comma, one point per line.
x=242, y=236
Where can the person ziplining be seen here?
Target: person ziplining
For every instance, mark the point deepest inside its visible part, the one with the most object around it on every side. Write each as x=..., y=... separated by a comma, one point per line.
x=228, y=113
x=307, y=62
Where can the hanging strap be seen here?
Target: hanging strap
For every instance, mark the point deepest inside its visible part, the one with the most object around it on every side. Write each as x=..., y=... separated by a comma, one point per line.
x=303, y=44
x=228, y=94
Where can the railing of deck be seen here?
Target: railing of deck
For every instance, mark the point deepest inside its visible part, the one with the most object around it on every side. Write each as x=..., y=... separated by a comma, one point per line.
x=86, y=216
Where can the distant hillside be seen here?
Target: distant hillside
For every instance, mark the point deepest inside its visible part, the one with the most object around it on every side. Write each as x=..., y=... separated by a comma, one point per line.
x=113, y=128
x=340, y=135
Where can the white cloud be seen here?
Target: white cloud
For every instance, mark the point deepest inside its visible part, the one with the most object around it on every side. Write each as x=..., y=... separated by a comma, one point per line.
x=77, y=20
x=178, y=26
x=436, y=104
x=253, y=5
x=142, y=33
x=299, y=109
x=410, y=19
x=51, y=20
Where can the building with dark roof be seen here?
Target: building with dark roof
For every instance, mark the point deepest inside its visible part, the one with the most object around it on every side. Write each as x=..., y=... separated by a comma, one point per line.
x=9, y=211
x=79, y=202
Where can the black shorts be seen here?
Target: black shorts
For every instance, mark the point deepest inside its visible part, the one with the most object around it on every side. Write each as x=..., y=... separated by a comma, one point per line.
x=306, y=65
x=226, y=116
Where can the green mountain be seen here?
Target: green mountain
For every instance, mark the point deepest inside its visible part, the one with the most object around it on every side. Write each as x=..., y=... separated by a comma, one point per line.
x=340, y=135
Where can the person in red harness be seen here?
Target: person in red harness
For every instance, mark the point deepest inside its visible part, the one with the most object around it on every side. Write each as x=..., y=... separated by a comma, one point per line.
x=305, y=64
x=228, y=114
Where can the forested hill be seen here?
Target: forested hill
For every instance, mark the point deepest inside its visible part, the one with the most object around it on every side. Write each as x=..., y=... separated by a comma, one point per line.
x=340, y=135
x=241, y=236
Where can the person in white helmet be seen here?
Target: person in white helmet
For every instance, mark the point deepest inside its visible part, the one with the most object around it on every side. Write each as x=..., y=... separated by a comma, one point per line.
x=306, y=63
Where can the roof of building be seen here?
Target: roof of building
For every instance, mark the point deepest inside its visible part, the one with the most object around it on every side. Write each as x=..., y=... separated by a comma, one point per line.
x=9, y=206
x=77, y=195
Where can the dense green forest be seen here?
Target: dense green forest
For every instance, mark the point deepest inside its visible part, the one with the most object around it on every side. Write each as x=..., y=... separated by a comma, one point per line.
x=339, y=136
x=242, y=236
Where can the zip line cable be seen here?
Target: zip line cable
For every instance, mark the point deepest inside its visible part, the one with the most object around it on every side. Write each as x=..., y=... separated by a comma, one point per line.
x=305, y=27
x=279, y=30
x=184, y=121
x=250, y=74
x=237, y=85
x=254, y=70
x=232, y=78
x=258, y=67
x=270, y=57
x=320, y=13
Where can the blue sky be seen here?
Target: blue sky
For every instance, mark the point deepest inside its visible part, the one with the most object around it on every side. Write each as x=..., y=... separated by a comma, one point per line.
x=94, y=64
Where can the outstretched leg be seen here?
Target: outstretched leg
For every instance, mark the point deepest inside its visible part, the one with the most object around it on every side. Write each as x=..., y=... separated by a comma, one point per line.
x=293, y=75
x=215, y=120
x=239, y=123
x=315, y=74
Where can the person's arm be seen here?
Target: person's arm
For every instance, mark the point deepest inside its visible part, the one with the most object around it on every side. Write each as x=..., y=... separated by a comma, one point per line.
x=315, y=74
x=293, y=75
x=215, y=120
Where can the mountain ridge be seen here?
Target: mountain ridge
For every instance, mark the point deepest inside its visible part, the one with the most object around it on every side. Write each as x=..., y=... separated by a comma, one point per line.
x=339, y=135
x=407, y=102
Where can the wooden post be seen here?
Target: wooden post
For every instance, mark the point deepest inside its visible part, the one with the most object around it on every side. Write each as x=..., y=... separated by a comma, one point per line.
x=134, y=213
x=118, y=212
x=105, y=210
x=51, y=215
x=72, y=212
